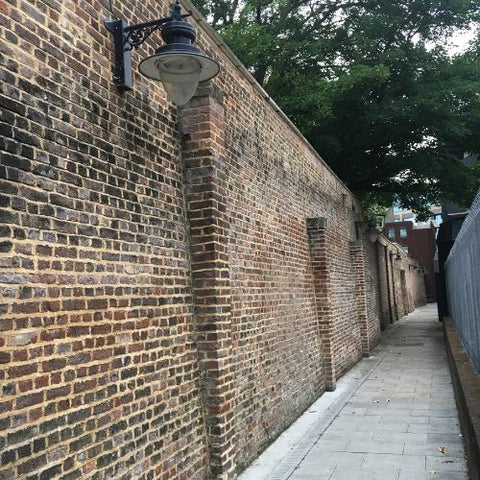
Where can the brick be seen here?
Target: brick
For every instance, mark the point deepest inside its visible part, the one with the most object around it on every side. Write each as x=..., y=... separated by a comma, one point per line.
x=23, y=338
x=22, y=370
x=52, y=472
x=54, y=364
x=22, y=435
x=29, y=400
x=31, y=465
x=5, y=357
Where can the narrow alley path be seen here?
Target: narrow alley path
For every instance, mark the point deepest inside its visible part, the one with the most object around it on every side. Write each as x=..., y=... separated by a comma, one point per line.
x=393, y=417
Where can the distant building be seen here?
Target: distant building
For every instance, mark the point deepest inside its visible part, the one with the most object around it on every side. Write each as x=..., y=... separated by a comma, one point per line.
x=398, y=214
x=418, y=240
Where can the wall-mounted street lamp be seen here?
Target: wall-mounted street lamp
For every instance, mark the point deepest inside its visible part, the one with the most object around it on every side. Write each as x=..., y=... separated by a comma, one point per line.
x=372, y=230
x=178, y=64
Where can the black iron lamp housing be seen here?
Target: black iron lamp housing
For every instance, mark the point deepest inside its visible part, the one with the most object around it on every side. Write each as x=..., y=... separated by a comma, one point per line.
x=178, y=64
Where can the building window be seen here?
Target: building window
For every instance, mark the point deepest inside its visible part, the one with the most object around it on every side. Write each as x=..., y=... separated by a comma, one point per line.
x=391, y=233
x=403, y=232
x=397, y=218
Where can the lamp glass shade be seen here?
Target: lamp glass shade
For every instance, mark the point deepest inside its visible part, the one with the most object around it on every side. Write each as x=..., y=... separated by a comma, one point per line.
x=179, y=70
x=180, y=74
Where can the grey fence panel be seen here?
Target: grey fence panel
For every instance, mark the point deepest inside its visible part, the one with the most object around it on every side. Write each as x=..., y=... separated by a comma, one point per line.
x=463, y=283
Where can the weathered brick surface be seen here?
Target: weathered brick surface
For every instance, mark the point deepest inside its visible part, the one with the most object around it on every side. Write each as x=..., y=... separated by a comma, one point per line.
x=100, y=371
x=401, y=281
x=177, y=287
x=373, y=293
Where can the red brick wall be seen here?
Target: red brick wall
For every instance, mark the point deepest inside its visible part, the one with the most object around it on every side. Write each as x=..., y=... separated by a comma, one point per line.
x=168, y=306
x=99, y=365
x=406, y=280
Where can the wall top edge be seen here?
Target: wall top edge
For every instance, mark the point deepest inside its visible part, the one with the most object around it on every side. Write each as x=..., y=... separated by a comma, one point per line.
x=226, y=50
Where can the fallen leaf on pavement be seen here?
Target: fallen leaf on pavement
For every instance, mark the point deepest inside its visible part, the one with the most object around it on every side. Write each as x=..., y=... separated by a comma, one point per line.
x=441, y=449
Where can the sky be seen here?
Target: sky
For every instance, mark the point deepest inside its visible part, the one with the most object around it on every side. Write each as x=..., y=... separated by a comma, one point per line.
x=459, y=42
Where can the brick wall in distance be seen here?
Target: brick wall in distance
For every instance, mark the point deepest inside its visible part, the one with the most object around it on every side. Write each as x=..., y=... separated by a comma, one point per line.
x=275, y=183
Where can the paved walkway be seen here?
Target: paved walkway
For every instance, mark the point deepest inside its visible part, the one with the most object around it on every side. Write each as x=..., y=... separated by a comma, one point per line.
x=392, y=417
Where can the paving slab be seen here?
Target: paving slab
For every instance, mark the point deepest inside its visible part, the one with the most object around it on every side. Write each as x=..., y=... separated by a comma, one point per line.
x=376, y=447
x=432, y=475
x=393, y=417
x=346, y=473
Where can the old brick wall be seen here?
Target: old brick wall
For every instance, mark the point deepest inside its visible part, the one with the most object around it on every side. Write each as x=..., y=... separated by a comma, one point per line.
x=177, y=286
x=401, y=282
x=97, y=345
x=276, y=352
x=274, y=184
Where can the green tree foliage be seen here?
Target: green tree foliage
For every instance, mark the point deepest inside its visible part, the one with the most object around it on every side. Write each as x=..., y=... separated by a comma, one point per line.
x=388, y=110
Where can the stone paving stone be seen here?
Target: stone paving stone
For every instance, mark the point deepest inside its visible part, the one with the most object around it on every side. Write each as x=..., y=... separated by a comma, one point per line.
x=348, y=436
x=376, y=447
x=331, y=445
x=443, y=439
x=434, y=449
x=404, y=462
x=446, y=464
x=444, y=421
x=428, y=428
x=403, y=418
x=389, y=427
x=316, y=458
x=320, y=473
x=405, y=475
x=400, y=437
x=353, y=411
x=440, y=412
x=346, y=473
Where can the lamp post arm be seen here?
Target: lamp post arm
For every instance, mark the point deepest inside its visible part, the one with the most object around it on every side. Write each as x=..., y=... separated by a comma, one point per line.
x=127, y=37
x=178, y=36
x=135, y=35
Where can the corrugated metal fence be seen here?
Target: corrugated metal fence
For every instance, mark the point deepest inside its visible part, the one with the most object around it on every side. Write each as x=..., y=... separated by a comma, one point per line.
x=463, y=283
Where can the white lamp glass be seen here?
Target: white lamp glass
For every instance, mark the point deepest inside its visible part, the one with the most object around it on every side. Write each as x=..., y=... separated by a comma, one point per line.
x=180, y=77
x=179, y=72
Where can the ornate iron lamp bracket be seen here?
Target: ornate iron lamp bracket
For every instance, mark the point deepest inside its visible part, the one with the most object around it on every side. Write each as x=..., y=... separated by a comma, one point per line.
x=127, y=37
